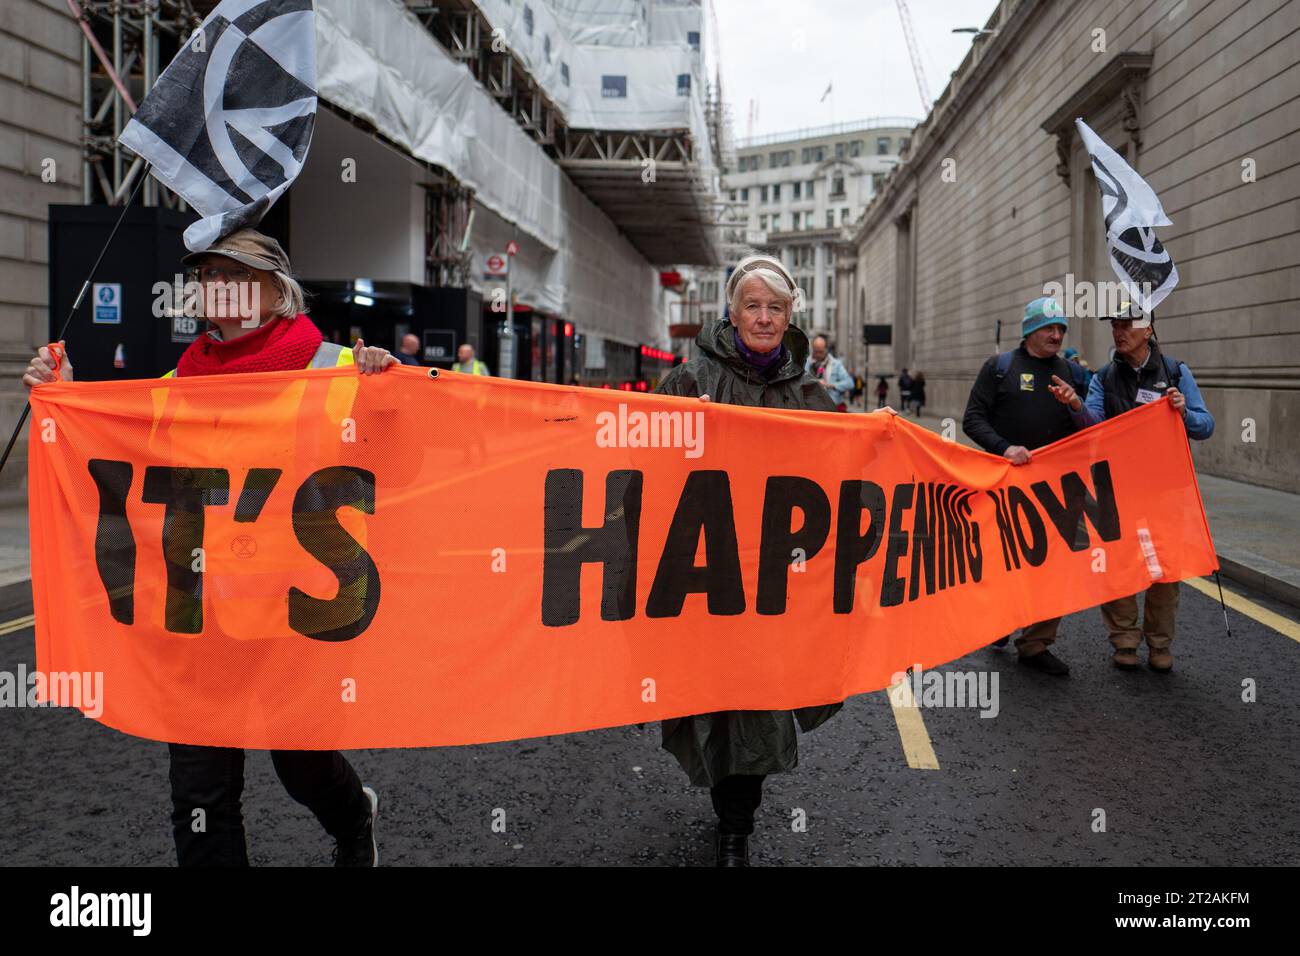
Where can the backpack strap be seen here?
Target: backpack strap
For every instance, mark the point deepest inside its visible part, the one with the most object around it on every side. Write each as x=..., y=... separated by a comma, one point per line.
x=1078, y=376
x=1004, y=364
x=1172, y=373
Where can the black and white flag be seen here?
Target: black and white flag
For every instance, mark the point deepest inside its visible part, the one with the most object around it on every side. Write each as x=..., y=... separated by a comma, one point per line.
x=228, y=124
x=1132, y=211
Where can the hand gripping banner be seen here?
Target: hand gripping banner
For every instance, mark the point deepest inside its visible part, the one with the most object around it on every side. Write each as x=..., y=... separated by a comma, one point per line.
x=315, y=560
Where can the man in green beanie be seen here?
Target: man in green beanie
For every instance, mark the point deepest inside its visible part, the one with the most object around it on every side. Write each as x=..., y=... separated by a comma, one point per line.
x=1024, y=399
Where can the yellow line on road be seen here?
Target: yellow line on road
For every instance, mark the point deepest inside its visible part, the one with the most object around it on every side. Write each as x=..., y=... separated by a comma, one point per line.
x=911, y=728
x=17, y=624
x=1249, y=608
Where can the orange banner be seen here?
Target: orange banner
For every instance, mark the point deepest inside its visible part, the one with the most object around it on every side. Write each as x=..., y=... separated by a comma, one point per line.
x=314, y=560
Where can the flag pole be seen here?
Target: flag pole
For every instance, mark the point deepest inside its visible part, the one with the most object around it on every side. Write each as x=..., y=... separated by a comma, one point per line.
x=27, y=408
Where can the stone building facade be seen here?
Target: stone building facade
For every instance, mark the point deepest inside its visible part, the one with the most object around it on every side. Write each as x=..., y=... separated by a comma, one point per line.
x=995, y=199
x=40, y=163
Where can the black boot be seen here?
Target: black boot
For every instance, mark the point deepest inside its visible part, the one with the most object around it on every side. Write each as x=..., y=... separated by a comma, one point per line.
x=1047, y=663
x=363, y=848
x=733, y=849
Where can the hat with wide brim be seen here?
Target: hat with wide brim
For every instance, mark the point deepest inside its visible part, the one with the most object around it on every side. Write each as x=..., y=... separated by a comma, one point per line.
x=247, y=247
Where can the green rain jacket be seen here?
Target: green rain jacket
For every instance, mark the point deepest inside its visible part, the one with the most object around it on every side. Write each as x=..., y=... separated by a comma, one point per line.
x=712, y=746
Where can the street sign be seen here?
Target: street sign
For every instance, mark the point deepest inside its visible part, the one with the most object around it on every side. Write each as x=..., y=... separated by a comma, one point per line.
x=496, y=265
x=185, y=328
x=439, y=345
x=512, y=249
x=108, y=303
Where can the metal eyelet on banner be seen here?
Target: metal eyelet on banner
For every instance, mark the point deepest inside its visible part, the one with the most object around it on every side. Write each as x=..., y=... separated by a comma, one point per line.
x=433, y=373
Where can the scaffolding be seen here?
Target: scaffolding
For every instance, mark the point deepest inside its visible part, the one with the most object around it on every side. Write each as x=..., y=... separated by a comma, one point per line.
x=123, y=44
x=658, y=184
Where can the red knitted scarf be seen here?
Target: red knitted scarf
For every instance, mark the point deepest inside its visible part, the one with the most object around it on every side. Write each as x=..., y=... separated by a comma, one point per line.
x=280, y=345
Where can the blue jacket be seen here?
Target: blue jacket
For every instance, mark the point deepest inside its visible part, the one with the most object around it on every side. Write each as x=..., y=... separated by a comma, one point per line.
x=1198, y=421
x=838, y=380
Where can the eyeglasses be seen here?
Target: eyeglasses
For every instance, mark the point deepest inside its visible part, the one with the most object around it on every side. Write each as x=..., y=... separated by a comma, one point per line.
x=214, y=273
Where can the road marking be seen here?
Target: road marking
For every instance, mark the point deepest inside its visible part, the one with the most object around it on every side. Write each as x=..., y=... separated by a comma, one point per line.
x=1263, y=615
x=17, y=624
x=911, y=728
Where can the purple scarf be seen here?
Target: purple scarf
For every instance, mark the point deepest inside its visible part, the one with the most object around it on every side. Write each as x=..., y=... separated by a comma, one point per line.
x=762, y=361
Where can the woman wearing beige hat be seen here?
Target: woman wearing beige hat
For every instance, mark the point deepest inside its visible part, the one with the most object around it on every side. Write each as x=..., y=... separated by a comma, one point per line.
x=259, y=324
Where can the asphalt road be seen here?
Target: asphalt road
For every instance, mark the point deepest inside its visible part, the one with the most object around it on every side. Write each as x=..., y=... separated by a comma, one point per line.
x=1186, y=772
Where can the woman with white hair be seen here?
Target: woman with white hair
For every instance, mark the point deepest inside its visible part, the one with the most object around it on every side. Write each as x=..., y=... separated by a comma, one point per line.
x=755, y=357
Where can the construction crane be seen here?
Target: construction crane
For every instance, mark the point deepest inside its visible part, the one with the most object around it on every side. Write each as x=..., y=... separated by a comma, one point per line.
x=922, y=86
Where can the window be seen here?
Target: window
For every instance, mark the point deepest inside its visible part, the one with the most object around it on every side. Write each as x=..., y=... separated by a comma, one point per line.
x=564, y=72
x=855, y=148
x=877, y=180
x=683, y=84
x=762, y=222
x=840, y=150
x=779, y=159
x=844, y=216
x=808, y=220
x=776, y=193
x=837, y=186
x=733, y=195
x=882, y=146
x=776, y=222
x=613, y=87
x=830, y=218
x=797, y=187
x=744, y=194
x=762, y=194
x=830, y=285
x=808, y=193
x=904, y=143
x=693, y=39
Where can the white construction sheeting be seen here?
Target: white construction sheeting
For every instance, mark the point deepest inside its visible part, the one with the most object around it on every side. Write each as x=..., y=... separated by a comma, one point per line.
x=378, y=63
x=653, y=85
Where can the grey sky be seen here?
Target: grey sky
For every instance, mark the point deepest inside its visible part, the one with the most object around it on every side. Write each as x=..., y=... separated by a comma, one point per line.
x=856, y=45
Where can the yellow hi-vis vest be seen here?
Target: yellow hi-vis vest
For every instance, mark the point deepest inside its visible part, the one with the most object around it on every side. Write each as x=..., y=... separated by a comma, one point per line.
x=328, y=355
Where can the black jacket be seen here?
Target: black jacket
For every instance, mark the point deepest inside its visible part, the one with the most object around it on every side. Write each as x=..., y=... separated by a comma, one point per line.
x=721, y=372
x=1018, y=409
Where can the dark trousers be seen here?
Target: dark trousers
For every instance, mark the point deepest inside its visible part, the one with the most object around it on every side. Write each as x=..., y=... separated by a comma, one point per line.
x=211, y=779
x=735, y=801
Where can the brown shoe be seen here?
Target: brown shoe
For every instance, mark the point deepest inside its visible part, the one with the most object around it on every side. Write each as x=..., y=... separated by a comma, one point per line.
x=1160, y=659
x=1125, y=658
